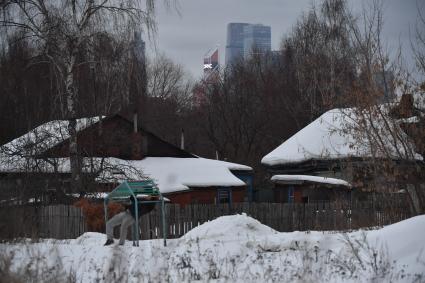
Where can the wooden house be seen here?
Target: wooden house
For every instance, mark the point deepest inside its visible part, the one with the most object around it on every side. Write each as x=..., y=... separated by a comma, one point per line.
x=114, y=149
x=326, y=160
x=307, y=188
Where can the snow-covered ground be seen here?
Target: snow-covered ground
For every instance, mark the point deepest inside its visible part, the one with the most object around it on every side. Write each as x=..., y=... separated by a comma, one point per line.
x=230, y=249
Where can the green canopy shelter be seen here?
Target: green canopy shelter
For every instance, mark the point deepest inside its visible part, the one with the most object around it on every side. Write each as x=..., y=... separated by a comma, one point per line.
x=133, y=189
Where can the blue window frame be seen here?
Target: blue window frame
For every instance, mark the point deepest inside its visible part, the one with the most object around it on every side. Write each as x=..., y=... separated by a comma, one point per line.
x=291, y=194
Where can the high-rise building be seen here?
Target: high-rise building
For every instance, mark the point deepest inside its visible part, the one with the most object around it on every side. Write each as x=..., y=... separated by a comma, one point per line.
x=257, y=39
x=139, y=46
x=385, y=82
x=235, y=42
x=243, y=38
x=211, y=62
x=211, y=75
x=137, y=72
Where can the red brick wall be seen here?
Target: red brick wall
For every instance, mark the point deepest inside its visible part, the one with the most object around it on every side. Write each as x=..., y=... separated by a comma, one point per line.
x=180, y=198
x=204, y=195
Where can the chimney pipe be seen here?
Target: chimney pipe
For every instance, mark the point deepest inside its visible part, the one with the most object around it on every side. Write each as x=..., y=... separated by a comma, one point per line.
x=182, y=140
x=135, y=122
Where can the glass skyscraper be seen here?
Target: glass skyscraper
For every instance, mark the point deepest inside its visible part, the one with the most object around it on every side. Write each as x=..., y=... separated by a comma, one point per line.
x=257, y=39
x=235, y=41
x=243, y=38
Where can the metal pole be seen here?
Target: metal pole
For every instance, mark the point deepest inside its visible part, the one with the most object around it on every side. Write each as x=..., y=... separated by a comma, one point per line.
x=137, y=222
x=164, y=231
x=105, y=206
x=136, y=214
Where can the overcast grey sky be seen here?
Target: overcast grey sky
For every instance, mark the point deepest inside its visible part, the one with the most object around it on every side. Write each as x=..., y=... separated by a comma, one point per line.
x=201, y=24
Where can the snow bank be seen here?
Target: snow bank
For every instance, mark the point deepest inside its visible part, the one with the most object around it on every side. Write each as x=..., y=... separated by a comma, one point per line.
x=232, y=249
x=230, y=226
x=405, y=240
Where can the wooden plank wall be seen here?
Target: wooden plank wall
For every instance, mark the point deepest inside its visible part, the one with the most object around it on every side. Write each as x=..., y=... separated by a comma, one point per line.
x=65, y=221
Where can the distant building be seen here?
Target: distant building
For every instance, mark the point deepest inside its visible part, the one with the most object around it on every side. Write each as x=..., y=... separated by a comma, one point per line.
x=243, y=38
x=138, y=76
x=257, y=39
x=235, y=42
x=385, y=82
x=211, y=63
x=139, y=47
x=211, y=76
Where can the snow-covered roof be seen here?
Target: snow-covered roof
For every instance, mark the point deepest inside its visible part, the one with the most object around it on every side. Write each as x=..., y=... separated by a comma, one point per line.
x=287, y=179
x=178, y=174
x=43, y=137
x=334, y=135
x=172, y=174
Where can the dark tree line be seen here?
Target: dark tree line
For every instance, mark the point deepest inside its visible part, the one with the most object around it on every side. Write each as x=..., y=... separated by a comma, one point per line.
x=328, y=60
x=110, y=81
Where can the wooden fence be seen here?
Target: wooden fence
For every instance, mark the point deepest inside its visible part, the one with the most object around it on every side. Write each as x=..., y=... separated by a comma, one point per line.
x=65, y=221
x=53, y=221
x=283, y=217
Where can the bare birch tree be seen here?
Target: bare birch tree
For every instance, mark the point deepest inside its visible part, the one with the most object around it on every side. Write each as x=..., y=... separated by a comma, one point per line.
x=63, y=29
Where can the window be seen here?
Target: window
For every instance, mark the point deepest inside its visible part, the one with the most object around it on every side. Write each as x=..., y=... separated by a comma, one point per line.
x=224, y=196
x=291, y=194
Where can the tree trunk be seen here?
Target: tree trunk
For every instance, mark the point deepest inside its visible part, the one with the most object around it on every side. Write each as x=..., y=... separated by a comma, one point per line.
x=76, y=184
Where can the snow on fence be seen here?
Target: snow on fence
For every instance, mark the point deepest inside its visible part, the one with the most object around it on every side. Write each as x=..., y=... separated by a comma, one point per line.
x=66, y=221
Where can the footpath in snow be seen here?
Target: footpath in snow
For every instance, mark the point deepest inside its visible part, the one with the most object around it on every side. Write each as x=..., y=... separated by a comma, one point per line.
x=234, y=248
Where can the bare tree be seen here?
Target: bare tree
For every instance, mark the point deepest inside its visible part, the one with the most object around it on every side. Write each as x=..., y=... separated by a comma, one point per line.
x=394, y=162
x=418, y=43
x=62, y=29
x=168, y=98
x=322, y=55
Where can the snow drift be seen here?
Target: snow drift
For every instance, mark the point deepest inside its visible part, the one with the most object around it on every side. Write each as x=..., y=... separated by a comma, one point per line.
x=231, y=248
